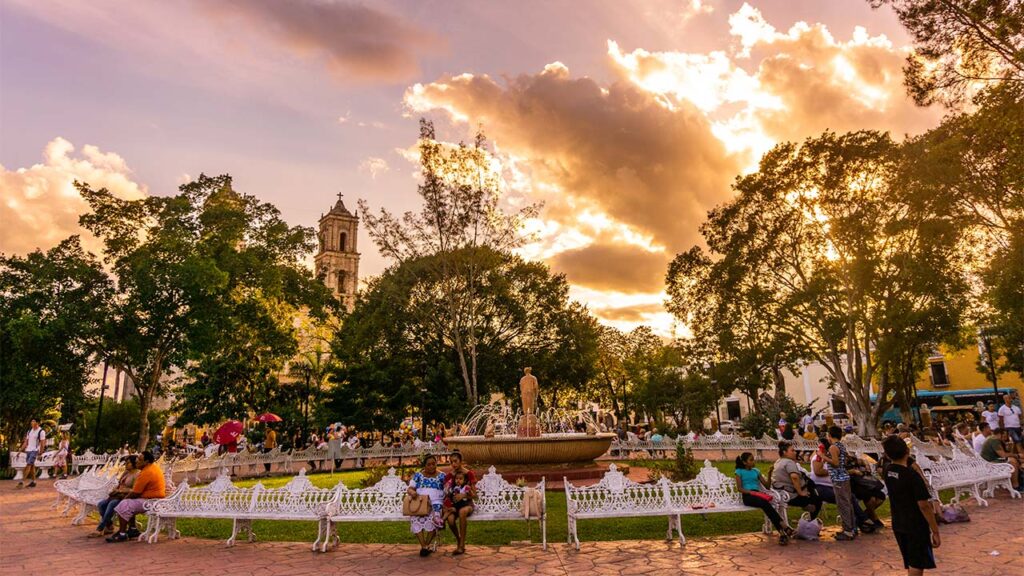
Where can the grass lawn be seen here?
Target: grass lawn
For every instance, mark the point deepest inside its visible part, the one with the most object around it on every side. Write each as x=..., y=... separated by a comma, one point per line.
x=494, y=533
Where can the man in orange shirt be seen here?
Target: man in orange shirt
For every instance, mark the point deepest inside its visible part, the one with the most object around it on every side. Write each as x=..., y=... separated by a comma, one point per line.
x=148, y=485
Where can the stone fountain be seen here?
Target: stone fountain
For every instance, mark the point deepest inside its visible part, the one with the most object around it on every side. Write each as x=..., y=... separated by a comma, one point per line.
x=494, y=434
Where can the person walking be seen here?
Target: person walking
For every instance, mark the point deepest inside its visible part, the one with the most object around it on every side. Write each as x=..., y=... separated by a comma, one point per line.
x=62, y=460
x=835, y=462
x=34, y=443
x=913, y=519
x=269, y=443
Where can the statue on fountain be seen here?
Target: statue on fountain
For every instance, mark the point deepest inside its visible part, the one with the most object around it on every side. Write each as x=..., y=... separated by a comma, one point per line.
x=529, y=424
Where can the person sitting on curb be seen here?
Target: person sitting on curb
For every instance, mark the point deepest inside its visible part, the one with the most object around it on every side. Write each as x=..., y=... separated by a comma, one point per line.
x=148, y=485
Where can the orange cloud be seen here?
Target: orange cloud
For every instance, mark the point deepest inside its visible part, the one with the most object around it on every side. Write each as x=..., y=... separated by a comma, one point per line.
x=39, y=205
x=615, y=267
x=618, y=149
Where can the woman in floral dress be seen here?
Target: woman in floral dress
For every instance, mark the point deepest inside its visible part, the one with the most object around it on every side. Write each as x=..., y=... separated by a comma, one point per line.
x=428, y=482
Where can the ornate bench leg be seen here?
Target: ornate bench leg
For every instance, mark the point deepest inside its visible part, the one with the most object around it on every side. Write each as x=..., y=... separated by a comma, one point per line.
x=544, y=530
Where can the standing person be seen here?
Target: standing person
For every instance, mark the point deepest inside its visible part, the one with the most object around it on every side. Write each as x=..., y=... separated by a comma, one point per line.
x=461, y=501
x=807, y=423
x=913, y=519
x=991, y=415
x=782, y=424
x=1009, y=420
x=34, y=443
x=269, y=443
x=429, y=482
x=107, y=506
x=61, y=460
x=835, y=462
x=334, y=446
x=149, y=484
x=750, y=481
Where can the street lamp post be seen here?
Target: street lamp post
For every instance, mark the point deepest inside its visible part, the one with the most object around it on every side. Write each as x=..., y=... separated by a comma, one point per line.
x=986, y=341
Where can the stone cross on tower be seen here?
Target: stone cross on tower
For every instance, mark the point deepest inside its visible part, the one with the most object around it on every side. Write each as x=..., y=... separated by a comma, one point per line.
x=337, y=260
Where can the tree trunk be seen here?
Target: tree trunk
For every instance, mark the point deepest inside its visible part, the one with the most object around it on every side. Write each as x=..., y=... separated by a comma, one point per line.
x=145, y=400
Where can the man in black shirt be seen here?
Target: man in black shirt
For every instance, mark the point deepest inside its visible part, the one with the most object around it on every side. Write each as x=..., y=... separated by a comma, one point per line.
x=913, y=521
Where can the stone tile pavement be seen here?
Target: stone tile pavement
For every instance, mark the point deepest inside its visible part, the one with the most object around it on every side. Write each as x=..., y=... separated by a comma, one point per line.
x=36, y=540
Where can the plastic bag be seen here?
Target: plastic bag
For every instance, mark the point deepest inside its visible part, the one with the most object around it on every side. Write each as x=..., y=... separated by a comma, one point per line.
x=953, y=513
x=807, y=529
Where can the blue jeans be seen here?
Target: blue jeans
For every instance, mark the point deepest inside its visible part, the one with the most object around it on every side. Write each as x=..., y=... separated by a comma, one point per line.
x=106, y=509
x=829, y=495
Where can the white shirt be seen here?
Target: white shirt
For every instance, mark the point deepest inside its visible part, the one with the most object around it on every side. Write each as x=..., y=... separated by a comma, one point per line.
x=36, y=438
x=978, y=442
x=806, y=422
x=1010, y=415
x=992, y=418
x=825, y=480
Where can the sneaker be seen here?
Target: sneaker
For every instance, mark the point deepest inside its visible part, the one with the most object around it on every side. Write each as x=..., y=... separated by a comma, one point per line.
x=31, y=484
x=844, y=537
x=119, y=537
x=867, y=527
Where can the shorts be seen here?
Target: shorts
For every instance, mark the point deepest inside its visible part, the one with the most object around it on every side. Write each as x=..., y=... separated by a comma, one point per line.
x=461, y=504
x=916, y=548
x=1015, y=435
x=129, y=507
x=30, y=457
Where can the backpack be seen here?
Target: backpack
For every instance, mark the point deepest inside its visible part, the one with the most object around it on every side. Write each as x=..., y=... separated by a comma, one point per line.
x=807, y=529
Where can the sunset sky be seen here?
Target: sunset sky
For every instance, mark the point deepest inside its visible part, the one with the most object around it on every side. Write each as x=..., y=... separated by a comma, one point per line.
x=629, y=120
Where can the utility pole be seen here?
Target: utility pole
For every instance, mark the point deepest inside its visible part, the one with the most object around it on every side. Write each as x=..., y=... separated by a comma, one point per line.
x=99, y=410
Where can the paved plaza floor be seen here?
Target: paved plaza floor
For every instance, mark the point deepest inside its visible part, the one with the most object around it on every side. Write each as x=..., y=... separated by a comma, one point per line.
x=37, y=540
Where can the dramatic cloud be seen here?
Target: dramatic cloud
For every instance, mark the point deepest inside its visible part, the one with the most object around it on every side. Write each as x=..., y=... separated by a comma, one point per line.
x=636, y=314
x=350, y=39
x=39, y=205
x=617, y=149
x=614, y=267
x=805, y=82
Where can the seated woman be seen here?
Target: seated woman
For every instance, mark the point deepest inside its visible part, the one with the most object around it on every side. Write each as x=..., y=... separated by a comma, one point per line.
x=750, y=482
x=106, y=506
x=428, y=482
x=787, y=475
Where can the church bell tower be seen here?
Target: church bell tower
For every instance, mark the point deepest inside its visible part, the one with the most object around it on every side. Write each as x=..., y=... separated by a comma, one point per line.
x=337, y=260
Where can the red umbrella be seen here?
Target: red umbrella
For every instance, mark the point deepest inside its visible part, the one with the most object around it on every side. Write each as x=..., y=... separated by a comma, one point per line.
x=228, y=432
x=268, y=417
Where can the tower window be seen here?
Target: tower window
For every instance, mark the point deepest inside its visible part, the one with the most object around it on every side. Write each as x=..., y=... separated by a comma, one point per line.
x=341, y=280
x=344, y=238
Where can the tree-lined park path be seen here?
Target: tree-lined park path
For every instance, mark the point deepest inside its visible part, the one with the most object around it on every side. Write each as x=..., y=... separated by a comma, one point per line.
x=36, y=540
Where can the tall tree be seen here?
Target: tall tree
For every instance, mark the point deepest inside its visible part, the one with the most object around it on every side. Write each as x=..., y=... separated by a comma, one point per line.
x=206, y=282
x=960, y=45
x=460, y=226
x=971, y=169
x=391, y=361
x=52, y=305
x=853, y=269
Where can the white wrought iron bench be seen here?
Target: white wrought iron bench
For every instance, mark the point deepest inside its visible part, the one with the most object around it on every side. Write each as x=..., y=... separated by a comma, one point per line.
x=296, y=501
x=616, y=496
x=496, y=499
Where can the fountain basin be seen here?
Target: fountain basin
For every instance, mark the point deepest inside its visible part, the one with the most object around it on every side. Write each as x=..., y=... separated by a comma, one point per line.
x=543, y=449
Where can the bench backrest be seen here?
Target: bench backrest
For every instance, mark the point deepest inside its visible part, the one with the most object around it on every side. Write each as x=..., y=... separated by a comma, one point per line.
x=383, y=499
x=616, y=494
x=298, y=497
x=496, y=496
x=709, y=489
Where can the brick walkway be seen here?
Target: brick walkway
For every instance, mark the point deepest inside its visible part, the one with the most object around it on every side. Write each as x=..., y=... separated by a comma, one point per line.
x=35, y=540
